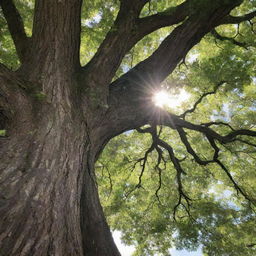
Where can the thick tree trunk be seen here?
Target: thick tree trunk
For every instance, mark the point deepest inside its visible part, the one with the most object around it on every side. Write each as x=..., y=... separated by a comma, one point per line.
x=48, y=194
x=49, y=204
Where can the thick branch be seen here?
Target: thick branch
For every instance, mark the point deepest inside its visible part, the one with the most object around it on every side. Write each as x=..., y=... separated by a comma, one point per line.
x=16, y=27
x=129, y=29
x=168, y=17
x=115, y=45
x=174, y=48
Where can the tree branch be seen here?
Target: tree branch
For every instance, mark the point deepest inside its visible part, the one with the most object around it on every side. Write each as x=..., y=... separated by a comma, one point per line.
x=179, y=172
x=153, y=70
x=128, y=29
x=16, y=27
x=170, y=16
x=236, y=186
x=217, y=123
x=247, y=142
x=189, y=148
x=238, y=19
x=115, y=45
x=230, y=39
x=176, y=163
x=200, y=100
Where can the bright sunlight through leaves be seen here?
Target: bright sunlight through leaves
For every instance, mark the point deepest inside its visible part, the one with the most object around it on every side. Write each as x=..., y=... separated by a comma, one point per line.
x=165, y=99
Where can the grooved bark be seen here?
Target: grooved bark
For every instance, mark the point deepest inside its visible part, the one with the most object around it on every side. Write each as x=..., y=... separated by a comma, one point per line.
x=40, y=195
x=48, y=196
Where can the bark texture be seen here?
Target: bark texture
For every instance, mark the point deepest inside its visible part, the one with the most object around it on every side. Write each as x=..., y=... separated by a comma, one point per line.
x=48, y=186
x=56, y=129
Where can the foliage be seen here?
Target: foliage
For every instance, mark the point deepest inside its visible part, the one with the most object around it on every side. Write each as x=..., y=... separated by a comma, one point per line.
x=219, y=219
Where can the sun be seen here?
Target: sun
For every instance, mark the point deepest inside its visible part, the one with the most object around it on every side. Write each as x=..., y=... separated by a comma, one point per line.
x=161, y=98
x=165, y=99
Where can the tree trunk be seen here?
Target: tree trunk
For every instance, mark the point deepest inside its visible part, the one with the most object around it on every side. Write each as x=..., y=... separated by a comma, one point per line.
x=49, y=203
x=48, y=197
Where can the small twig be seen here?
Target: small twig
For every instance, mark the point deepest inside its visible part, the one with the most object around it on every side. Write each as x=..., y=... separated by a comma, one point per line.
x=159, y=184
x=200, y=100
x=230, y=39
x=246, y=142
x=183, y=62
x=218, y=123
x=236, y=186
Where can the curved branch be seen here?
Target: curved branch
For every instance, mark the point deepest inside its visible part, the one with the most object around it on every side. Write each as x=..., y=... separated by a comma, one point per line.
x=189, y=148
x=230, y=39
x=153, y=70
x=176, y=163
x=236, y=186
x=129, y=29
x=247, y=142
x=179, y=171
x=238, y=19
x=16, y=28
x=170, y=16
x=200, y=100
x=218, y=123
x=118, y=41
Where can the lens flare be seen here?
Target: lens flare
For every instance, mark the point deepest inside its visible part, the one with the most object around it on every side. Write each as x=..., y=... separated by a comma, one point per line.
x=165, y=99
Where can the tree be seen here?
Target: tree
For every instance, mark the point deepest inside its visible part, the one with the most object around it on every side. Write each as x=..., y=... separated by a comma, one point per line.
x=57, y=115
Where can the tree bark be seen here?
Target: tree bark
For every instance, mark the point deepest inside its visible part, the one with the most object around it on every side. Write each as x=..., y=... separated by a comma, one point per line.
x=49, y=204
x=48, y=196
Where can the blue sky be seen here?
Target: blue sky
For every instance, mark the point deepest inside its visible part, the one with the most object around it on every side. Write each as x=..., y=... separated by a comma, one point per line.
x=128, y=250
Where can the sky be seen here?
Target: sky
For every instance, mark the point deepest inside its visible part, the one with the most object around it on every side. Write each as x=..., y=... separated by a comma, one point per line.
x=128, y=250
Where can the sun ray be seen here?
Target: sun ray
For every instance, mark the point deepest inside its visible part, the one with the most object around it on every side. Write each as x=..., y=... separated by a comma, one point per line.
x=165, y=99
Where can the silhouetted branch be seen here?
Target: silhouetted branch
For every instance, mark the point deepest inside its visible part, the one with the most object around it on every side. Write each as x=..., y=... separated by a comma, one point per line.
x=217, y=123
x=238, y=19
x=179, y=124
x=200, y=100
x=159, y=183
x=189, y=148
x=247, y=142
x=16, y=27
x=230, y=39
x=236, y=186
